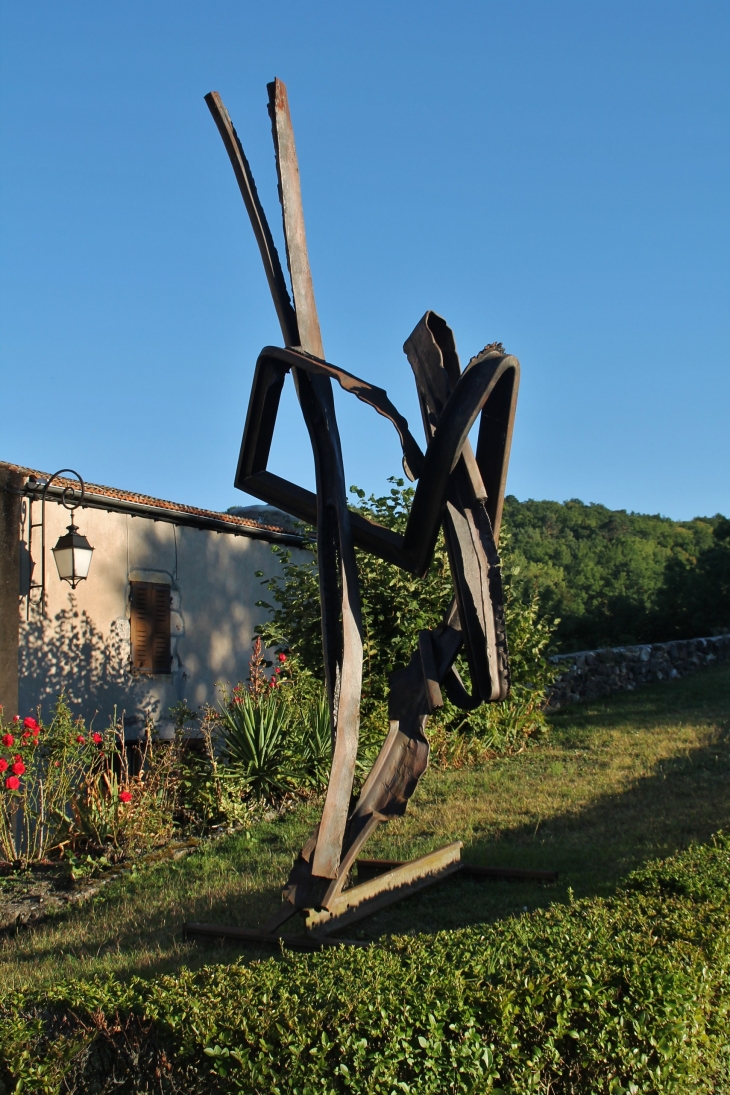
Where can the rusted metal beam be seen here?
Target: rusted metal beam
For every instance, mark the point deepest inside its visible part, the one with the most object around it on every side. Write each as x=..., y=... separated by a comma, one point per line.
x=369, y=897
x=450, y=403
x=456, y=490
x=261, y=230
x=342, y=625
x=290, y=195
x=471, y=397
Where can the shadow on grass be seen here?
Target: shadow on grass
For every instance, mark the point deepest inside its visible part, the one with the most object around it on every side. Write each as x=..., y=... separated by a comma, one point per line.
x=136, y=927
x=685, y=800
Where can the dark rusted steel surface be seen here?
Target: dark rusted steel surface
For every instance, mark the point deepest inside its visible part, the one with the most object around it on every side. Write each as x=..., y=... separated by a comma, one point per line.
x=413, y=551
x=339, y=589
x=393, y=885
x=457, y=491
x=247, y=186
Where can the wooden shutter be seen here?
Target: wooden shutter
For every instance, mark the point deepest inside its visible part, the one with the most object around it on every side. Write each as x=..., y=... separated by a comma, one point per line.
x=150, y=627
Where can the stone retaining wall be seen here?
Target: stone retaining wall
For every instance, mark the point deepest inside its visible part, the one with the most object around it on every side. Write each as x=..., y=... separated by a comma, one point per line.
x=592, y=673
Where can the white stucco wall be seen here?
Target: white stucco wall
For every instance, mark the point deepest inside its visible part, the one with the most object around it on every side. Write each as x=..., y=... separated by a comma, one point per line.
x=83, y=644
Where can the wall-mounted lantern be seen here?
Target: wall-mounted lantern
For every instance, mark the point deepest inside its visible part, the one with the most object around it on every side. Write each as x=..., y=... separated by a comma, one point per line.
x=73, y=551
x=73, y=556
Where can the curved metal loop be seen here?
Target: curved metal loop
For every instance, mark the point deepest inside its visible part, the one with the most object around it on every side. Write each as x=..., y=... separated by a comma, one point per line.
x=68, y=492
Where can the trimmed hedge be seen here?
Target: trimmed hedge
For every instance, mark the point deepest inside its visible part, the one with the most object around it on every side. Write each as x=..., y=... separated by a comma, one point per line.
x=627, y=994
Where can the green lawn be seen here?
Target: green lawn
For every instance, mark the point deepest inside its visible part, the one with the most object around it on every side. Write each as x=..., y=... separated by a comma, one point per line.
x=617, y=783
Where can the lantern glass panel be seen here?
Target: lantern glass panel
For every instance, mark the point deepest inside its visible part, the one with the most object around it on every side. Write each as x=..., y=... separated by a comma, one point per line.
x=82, y=561
x=64, y=562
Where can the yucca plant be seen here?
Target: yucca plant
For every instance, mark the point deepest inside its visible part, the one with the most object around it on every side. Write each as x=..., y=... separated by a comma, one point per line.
x=314, y=757
x=253, y=734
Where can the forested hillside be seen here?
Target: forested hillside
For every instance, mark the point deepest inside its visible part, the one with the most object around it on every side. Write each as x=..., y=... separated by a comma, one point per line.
x=616, y=578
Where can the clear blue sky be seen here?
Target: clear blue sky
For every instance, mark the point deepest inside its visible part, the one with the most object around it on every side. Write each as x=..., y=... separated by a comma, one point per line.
x=553, y=175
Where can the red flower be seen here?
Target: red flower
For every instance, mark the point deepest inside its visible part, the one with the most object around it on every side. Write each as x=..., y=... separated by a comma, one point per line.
x=18, y=768
x=3, y=764
x=273, y=682
x=7, y=739
x=30, y=724
x=17, y=757
x=12, y=783
x=125, y=796
x=80, y=739
x=36, y=732
x=16, y=718
x=26, y=735
x=97, y=739
x=282, y=658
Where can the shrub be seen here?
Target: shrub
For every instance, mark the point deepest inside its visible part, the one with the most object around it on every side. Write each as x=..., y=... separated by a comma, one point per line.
x=41, y=767
x=313, y=742
x=117, y=811
x=507, y=727
x=66, y=787
x=255, y=747
x=267, y=738
x=395, y=607
x=629, y=994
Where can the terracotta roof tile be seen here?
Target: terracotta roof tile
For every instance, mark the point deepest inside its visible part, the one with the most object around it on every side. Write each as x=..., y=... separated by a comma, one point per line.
x=147, y=500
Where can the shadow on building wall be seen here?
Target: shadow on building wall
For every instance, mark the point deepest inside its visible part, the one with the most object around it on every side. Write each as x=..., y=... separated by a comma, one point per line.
x=69, y=654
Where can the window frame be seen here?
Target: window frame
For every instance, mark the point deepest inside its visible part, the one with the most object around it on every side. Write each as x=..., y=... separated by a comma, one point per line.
x=150, y=627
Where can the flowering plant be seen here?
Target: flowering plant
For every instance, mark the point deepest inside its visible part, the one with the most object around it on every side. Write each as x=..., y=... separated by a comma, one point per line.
x=126, y=797
x=62, y=786
x=39, y=767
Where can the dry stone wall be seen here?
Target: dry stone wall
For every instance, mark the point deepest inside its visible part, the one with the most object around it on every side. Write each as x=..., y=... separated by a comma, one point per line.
x=592, y=673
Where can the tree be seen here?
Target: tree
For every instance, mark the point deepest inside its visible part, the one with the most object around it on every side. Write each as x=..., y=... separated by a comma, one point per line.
x=695, y=596
x=608, y=574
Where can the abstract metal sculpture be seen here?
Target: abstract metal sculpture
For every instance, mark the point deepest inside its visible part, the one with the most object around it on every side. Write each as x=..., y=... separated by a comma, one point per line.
x=457, y=489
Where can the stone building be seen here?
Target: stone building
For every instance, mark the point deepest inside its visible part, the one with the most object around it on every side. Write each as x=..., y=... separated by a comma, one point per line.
x=167, y=613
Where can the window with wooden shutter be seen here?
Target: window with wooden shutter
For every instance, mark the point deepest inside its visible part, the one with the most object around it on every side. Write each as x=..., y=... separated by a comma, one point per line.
x=150, y=627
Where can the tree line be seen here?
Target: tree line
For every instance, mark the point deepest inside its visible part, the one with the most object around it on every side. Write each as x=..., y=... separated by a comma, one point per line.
x=617, y=578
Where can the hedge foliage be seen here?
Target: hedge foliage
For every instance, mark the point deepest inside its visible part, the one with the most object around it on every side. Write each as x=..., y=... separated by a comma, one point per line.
x=626, y=994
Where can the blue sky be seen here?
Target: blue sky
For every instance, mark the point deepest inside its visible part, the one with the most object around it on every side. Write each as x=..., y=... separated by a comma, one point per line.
x=552, y=175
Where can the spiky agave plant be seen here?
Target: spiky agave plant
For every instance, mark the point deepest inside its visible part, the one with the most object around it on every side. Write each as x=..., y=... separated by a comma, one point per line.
x=254, y=739
x=315, y=743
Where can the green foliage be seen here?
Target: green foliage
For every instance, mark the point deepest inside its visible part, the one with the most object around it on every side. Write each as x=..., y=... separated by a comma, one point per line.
x=254, y=740
x=695, y=596
x=610, y=577
x=120, y=811
x=623, y=995
x=616, y=578
x=314, y=743
x=269, y=737
x=507, y=727
x=42, y=767
x=395, y=607
x=65, y=787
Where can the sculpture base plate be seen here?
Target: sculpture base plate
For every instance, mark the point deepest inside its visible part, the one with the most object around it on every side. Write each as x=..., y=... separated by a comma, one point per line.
x=393, y=880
